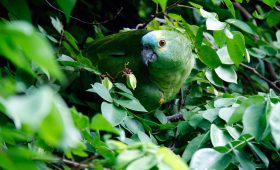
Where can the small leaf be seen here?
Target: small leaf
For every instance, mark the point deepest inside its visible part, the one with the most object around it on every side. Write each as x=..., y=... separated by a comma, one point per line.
x=195, y=144
x=224, y=56
x=133, y=104
x=67, y=7
x=236, y=48
x=144, y=163
x=230, y=7
x=206, y=14
x=239, y=111
x=210, y=114
x=171, y=159
x=107, y=83
x=57, y=24
x=214, y=24
x=101, y=91
x=274, y=121
x=270, y=3
x=227, y=73
x=133, y=125
x=208, y=158
x=162, y=3
x=218, y=136
x=112, y=113
x=213, y=78
x=242, y=25
x=131, y=81
x=226, y=113
x=253, y=120
x=98, y=122
x=209, y=56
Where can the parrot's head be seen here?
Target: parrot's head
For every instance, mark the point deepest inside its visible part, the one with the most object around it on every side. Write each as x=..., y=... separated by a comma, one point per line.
x=165, y=49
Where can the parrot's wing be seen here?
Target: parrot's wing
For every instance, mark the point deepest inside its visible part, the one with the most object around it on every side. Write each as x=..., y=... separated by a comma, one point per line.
x=115, y=52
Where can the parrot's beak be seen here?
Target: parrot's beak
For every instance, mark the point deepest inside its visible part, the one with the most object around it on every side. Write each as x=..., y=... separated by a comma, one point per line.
x=148, y=55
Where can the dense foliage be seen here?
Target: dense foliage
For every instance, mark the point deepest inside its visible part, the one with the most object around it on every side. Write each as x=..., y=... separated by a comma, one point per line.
x=58, y=112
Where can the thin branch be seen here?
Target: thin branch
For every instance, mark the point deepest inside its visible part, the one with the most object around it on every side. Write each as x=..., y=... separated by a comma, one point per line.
x=85, y=22
x=158, y=14
x=76, y=164
x=270, y=83
x=175, y=117
x=241, y=143
x=243, y=11
x=271, y=71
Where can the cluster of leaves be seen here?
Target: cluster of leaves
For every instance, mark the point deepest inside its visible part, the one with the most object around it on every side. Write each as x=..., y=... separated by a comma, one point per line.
x=226, y=117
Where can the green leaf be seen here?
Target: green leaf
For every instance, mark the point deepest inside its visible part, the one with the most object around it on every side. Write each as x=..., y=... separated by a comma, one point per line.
x=239, y=111
x=57, y=25
x=213, y=78
x=172, y=160
x=123, y=88
x=218, y=136
x=233, y=131
x=195, y=144
x=210, y=114
x=270, y=3
x=133, y=125
x=224, y=102
x=273, y=18
x=209, y=56
x=162, y=3
x=208, y=158
x=254, y=120
x=242, y=25
x=226, y=73
x=80, y=120
x=99, y=89
x=112, y=113
x=50, y=116
x=98, y=122
x=132, y=104
x=21, y=37
x=244, y=160
x=18, y=8
x=67, y=7
x=199, y=37
x=127, y=157
x=230, y=7
x=236, y=47
x=143, y=137
x=224, y=55
x=214, y=24
x=144, y=163
x=226, y=113
x=274, y=121
x=220, y=38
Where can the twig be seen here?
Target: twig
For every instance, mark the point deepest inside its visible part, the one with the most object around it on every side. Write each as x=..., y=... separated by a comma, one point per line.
x=247, y=16
x=85, y=22
x=76, y=164
x=158, y=14
x=271, y=71
x=243, y=11
x=270, y=83
x=175, y=117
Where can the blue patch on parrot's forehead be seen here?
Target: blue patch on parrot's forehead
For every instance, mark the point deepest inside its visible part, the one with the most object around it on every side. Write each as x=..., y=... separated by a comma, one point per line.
x=152, y=37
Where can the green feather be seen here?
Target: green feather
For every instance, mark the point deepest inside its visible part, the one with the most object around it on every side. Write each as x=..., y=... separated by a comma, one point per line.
x=162, y=78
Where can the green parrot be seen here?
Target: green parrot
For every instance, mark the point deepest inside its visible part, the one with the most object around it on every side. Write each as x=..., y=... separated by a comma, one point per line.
x=161, y=60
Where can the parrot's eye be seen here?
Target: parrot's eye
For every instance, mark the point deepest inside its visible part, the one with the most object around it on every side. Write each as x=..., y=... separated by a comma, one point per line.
x=162, y=43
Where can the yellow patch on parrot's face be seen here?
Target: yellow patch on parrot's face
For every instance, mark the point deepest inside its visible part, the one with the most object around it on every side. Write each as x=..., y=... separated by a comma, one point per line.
x=158, y=36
